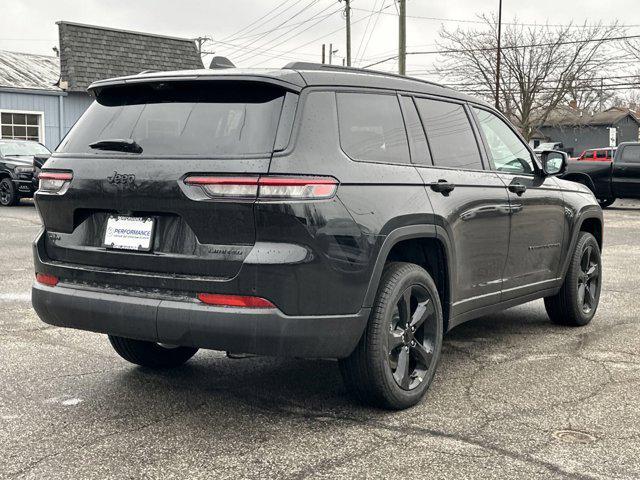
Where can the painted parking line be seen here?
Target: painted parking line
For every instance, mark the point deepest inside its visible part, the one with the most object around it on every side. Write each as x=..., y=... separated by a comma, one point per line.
x=15, y=297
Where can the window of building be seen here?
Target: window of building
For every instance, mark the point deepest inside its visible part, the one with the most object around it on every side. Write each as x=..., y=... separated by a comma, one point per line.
x=508, y=153
x=22, y=126
x=372, y=128
x=449, y=133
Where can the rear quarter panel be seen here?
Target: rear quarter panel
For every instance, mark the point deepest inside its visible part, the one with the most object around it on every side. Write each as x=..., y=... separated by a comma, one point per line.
x=344, y=235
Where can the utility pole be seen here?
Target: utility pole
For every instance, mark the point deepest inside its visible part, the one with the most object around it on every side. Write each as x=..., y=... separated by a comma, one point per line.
x=330, y=53
x=498, y=54
x=347, y=16
x=323, y=53
x=402, y=40
x=200, y=41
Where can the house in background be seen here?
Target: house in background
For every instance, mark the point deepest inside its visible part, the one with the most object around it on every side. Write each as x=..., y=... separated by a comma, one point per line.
x=41, y=97
x=578, y=130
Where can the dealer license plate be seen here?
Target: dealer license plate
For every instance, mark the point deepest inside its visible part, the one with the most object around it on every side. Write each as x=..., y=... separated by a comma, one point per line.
x=129, y=233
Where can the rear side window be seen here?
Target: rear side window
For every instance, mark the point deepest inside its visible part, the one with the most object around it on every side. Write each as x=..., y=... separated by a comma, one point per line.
x=371, y=128
x=182, y=118
x=449, y=133
x=601, y=154
x=631, y=153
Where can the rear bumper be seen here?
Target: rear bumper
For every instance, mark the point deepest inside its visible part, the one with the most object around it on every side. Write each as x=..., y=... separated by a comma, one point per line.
x=190, y=323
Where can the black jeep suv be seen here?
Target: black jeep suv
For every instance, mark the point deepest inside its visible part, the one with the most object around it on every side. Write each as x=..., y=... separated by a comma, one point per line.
x=305, y=212
x=19, y=169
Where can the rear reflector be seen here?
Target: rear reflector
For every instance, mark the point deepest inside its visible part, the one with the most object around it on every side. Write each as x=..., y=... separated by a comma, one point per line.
x=300, y=188
x=49, y=280
x=52, y=182
x=234, y=301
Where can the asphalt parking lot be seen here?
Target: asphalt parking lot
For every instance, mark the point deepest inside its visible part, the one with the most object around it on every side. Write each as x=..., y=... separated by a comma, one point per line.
x=514, y=397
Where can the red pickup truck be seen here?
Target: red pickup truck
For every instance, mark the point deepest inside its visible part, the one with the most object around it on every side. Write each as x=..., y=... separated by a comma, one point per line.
x=598, y=154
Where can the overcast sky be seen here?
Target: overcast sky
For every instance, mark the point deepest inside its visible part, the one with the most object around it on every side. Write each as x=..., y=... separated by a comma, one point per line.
x=29, y=25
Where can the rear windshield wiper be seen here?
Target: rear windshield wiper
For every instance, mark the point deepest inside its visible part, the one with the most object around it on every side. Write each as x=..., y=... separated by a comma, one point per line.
x=117, y=145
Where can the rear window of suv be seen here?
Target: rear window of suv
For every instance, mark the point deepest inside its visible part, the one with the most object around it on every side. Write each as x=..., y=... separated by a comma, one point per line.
x=182, y=118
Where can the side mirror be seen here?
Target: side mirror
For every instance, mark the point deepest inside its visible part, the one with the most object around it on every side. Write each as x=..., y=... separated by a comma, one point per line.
x=554, y=162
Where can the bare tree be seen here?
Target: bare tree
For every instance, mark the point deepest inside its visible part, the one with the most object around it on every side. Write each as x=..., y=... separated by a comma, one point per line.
x=541, y=67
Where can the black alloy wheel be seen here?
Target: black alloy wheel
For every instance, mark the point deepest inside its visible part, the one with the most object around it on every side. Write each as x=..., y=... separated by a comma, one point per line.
x=8, y=194
x=412, y=337
x=395, y=361
x=588, y=279
x=577, y=301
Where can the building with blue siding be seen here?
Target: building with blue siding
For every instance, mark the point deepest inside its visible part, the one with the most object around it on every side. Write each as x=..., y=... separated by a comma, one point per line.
x=41, y=97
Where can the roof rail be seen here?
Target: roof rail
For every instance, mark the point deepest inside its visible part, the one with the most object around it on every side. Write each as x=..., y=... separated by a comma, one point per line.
x=339, y=68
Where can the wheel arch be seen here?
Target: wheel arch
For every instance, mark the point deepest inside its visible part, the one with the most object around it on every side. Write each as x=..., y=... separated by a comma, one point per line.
x=581, y=178
x=593, y=225
x=425, y=245
x=591, y=221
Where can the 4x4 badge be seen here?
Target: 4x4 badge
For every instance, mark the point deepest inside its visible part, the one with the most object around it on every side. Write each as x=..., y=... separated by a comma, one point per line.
x=124, y=179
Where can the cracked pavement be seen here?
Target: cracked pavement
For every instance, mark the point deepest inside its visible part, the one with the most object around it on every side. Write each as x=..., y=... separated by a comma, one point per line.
x=507, y=387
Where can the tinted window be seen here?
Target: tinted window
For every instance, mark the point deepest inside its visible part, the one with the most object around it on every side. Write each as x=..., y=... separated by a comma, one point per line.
x=631, y=153
x=27, y=149
x=372, y=128
x=601, y=154
x=508, y=153
x=182, y=118
x=449, y=133
x=417, y=141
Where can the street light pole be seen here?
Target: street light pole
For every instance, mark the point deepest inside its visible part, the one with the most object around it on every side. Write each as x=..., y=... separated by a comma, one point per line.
x=498, y=54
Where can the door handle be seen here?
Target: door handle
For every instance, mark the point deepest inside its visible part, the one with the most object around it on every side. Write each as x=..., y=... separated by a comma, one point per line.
x=517, y=188
x=443, y=187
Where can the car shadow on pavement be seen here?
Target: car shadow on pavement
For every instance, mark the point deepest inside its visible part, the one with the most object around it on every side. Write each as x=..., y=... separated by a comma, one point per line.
x=285, y=385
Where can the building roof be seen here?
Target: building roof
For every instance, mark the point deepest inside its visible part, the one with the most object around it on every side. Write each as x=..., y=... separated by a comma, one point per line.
x=570, y=117
x=27, y=71
x=89, y=53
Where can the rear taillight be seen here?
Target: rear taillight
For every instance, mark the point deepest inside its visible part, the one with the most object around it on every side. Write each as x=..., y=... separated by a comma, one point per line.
x=46, y=279
x=226, y=186
x=54, y=182
x=297, y=187
x=245, y=301
x=266, y=187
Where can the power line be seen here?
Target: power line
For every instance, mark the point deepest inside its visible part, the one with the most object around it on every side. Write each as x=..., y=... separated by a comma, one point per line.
x=228, y=37
x=373, y=27
x=322, y=36
x=271, y=30
x=512, y=47
x=461, y=20
x=268, y=44
x=296, y=34
x=251, y=42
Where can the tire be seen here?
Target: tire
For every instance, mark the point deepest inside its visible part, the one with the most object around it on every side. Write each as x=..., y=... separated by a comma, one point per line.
x=388, y=340
x=8, y=194
x=577, y=301
x=606, y=202
x=150, y=354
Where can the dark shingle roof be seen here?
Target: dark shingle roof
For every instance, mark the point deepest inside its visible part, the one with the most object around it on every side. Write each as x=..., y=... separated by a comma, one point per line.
x=89, y=53
x=24, y=70
x=569, y=117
